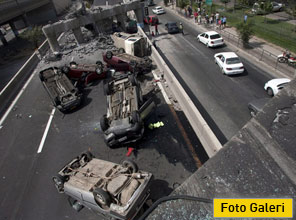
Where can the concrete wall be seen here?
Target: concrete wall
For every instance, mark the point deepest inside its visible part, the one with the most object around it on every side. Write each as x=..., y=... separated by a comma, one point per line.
x=60, y=6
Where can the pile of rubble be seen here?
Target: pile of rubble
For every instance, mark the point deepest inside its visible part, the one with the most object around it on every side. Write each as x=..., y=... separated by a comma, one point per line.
x=69, y=46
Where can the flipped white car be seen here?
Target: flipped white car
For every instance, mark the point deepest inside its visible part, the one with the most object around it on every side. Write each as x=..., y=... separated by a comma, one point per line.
x=158, y=10
x=229, y=63
x=210, y=39
x=275, y=85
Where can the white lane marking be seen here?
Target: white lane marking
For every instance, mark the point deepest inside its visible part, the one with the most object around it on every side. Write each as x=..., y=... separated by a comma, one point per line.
x=46, y=131
x=166, y=98
x=15, y=100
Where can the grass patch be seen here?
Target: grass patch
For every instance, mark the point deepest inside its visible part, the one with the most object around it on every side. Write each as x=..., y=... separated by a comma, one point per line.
x=277, y=32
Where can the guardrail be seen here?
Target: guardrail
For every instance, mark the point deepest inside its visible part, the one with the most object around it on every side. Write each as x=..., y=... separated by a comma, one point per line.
x=206, y=136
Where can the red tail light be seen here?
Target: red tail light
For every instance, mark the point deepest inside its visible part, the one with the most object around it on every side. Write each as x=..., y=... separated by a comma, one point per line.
x=222, y=40
x=212, y=42
x=228, y=68
x=241, y=67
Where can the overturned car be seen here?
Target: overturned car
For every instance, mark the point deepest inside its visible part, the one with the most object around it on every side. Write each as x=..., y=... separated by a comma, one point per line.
x=64, y=95
x=122, y=61
x=126, y=110
x=109, y=189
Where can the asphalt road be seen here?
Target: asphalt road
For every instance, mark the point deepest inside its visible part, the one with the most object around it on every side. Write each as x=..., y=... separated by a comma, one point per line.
x=222, y=99
x=27, y=191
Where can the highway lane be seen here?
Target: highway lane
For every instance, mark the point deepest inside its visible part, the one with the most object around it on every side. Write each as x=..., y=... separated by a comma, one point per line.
x=26, y=188
x=224, y=98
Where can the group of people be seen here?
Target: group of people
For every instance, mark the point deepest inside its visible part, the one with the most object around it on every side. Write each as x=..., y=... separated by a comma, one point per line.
x=199, y=14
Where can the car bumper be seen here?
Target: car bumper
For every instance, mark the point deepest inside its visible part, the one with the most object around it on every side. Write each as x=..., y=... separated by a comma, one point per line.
x=216, y=44
x=234, y=72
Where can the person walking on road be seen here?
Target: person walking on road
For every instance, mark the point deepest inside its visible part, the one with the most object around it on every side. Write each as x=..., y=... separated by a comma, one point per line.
x=156, y=29
x=181, y=28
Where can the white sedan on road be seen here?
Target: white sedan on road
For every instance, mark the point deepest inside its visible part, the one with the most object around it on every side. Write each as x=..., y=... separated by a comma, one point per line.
x=275, y=85
x=158, y=10
x=210, y=39
x=229, y=63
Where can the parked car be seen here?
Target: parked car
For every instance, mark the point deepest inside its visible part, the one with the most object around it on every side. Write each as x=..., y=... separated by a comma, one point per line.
x=158, y=10
x=258, y=7
x=126, y=110
x=229, y=63
x=151, y=20
x=210, y=39
x=257, y=105
x=60, y=89
x=85, y=73
x=121, y=61
x=172, y=27
x=150, y=2
x=275, y=85
x=116, y=191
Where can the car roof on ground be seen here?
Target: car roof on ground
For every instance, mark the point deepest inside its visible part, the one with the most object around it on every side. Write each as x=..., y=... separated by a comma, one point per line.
x=211, y=32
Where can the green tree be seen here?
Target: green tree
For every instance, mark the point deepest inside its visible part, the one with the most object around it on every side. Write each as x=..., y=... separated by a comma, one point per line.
x=245, y=31
x=34, y=35
x=267, y=7
x=166, y=2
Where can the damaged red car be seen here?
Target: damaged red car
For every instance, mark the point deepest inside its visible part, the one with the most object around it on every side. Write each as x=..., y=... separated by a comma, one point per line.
x=85, y=73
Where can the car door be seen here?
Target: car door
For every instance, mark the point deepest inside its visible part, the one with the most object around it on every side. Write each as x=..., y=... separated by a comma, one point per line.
x=220, y=61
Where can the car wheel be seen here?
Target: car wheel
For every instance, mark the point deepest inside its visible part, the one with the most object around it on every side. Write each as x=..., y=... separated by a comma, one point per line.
x=57, y=101
x=131, y=165
x=207, y=45
x=87, y=156
x=198, y=39
x=102, y=197
x=132, y=79
x=135, y=117
x=65, y=69
x=269, y=91
x=109, y=55
x=104, y=123
x=58, y=181
x=107, y=89
x=73, y=63
x=222, y=71
x=215, y=61
x=121, y=50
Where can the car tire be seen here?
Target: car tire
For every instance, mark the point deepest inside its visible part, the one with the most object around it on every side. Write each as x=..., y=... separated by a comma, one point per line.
x=270, y=92
x=88, y=156
x=109, y=55
x=136, y=117
x=65, y=69
x=107, y=89
x=99, y=64
x=222, y=71
x=73, y=63
x=121, y=50
x=59, y=182
x=104, y=123
x=132, y=79
x=101, y=197
x=131, y=165
x=216, y=62
x=57, y=101
x=207, y=45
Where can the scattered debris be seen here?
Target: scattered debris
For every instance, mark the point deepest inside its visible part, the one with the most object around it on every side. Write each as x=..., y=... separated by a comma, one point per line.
x=155, y=125
x=129, y=151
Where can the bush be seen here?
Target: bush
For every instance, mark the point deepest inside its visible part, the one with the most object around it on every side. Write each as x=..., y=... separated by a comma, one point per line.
x=245, y=31
x=34, y=35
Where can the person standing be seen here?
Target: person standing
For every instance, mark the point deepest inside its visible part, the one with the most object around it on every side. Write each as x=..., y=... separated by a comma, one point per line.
x=156, y=29
x=181, y=28
x=217, y=17
x=224, y=22
x=199, y=18
x=195, y=14
x=245, y=18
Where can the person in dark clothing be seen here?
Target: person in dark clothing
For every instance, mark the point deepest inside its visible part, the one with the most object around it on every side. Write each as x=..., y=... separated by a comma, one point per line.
x=181, y=28
x=156, y=29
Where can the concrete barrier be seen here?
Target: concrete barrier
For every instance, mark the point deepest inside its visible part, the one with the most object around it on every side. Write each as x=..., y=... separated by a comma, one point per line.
x=206, y=136
x=43, y=48
x=17, y=81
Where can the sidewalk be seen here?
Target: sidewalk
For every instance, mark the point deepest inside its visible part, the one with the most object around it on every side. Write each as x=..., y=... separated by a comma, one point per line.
x=262, y=52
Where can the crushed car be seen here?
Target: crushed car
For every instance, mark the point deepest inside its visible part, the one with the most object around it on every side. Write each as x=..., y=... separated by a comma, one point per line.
x=126, y=110
x=85, y=73
x=116, y=191
x=121, y=61
x=64, y=95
